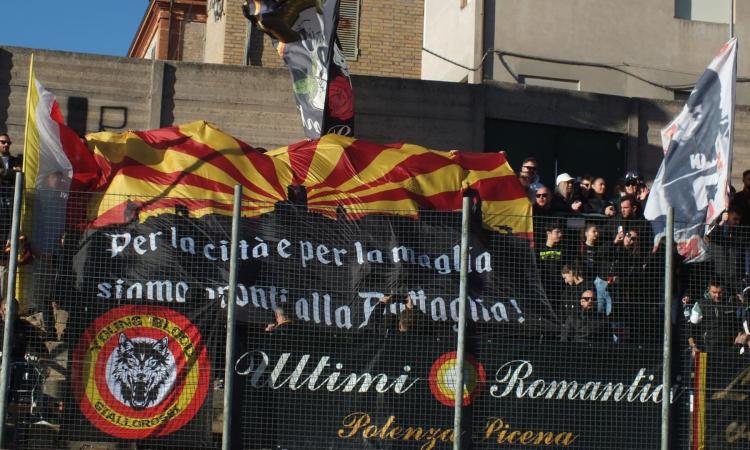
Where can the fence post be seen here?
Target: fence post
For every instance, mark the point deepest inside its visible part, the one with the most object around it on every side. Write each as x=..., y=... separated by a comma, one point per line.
x=226, y=434
x=459, y=386
x=666, y=376
x=10, y=306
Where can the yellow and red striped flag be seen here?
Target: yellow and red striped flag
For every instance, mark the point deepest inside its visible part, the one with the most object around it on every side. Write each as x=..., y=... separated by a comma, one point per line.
x=197, y=165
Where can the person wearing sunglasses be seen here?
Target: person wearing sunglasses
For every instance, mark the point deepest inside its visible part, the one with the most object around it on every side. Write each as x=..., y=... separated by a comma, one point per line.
x=10, y=164
x=584, y=324
x=530, y=177
x=542, y=202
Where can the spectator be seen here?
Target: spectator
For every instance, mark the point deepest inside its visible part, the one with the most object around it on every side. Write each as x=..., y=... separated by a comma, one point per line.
x=590, y=253
x=626, y=271
x=712, y=322
x=542, y=213
x=584, y=186
x=741, y=200
x=10, y=164
x=628, y=216
x=574, y=284
x=728, y=251
x=628, y=210
x=584, y=324
x=635, y=189
x=550, y=257
x=597, y=201
x=542, y=202
x=529, y=171
x=564, y=201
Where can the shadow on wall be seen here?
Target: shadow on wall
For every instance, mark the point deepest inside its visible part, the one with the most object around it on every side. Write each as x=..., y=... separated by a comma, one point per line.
x=167, y=99
x=6, y=64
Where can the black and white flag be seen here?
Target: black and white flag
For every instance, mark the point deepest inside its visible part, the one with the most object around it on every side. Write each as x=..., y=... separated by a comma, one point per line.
x=694, y=175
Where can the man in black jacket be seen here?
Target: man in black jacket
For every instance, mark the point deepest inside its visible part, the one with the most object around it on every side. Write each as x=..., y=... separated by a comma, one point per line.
x=584, y=324
x=713, y=325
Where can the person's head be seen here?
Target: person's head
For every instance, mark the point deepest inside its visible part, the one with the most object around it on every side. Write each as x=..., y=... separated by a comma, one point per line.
x=570, y=274
x=733, y=217
x=585, y=184
x=745, y=175
x=554, y=235
x=529, y=167
x=588, y=297
x=407, y=320
x=630, y=241
x=591, y=234
x=599, y=186
x=715, y=291
x=5, y=143
x=633, y=182
x=542, y=197
x=564, y=183
x=626, y=208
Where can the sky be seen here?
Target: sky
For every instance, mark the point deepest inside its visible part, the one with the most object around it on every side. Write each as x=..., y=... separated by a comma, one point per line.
x=104, y=27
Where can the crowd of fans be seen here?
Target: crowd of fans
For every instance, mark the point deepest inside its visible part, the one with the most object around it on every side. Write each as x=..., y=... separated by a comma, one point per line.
x=596, y=260
x=605, y=278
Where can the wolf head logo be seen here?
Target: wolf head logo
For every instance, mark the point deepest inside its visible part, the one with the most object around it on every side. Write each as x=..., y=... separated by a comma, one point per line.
x=141, y=369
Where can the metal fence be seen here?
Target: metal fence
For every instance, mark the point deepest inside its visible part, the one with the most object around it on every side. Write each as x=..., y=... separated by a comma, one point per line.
x=347, y=326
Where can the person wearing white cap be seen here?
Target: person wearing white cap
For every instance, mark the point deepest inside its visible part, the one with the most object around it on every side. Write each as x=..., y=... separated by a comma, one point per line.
x=564, y=201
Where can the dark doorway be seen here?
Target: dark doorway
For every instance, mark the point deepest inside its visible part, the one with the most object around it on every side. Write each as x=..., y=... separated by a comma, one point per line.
x=559, y=149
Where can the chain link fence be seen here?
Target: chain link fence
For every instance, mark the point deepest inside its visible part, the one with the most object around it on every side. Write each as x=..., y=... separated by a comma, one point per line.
x=346, y=330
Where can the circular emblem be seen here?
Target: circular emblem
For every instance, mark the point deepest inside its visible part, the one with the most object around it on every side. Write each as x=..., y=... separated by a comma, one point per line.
x=141, y=371
x=443, y=379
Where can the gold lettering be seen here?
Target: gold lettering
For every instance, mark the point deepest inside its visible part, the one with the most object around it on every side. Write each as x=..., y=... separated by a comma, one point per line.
x=360, y=423
x=387, y=424
x=736, y=432
x=395, y=433
x=370, y=431
x=353, y=422
x=415, y=432
x=489, y=430
x=548, y=438
x=526, y=437
x=500, y=431
x=734, y=390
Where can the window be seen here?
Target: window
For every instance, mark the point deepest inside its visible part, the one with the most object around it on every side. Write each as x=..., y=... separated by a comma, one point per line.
x=348, y=29
x=717, y=11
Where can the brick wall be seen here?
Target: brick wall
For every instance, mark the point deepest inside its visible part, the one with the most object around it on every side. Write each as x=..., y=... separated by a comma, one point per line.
x=235, y=32
x=192, y=41
x=390, y=38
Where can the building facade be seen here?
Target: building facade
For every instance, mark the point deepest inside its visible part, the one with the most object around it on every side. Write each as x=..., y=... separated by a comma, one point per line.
x=379, y=37
x=639, y=48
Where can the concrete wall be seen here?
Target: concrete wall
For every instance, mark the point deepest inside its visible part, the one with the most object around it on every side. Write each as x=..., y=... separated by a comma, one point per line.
x=450, y=30
x=642, y=37
x=256, y=104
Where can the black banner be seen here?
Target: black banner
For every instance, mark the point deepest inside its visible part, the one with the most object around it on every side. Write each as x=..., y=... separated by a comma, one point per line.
x=524, y=395
x=154, y=293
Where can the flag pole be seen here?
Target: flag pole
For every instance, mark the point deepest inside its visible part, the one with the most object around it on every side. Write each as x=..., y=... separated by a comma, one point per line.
x=28, y=109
